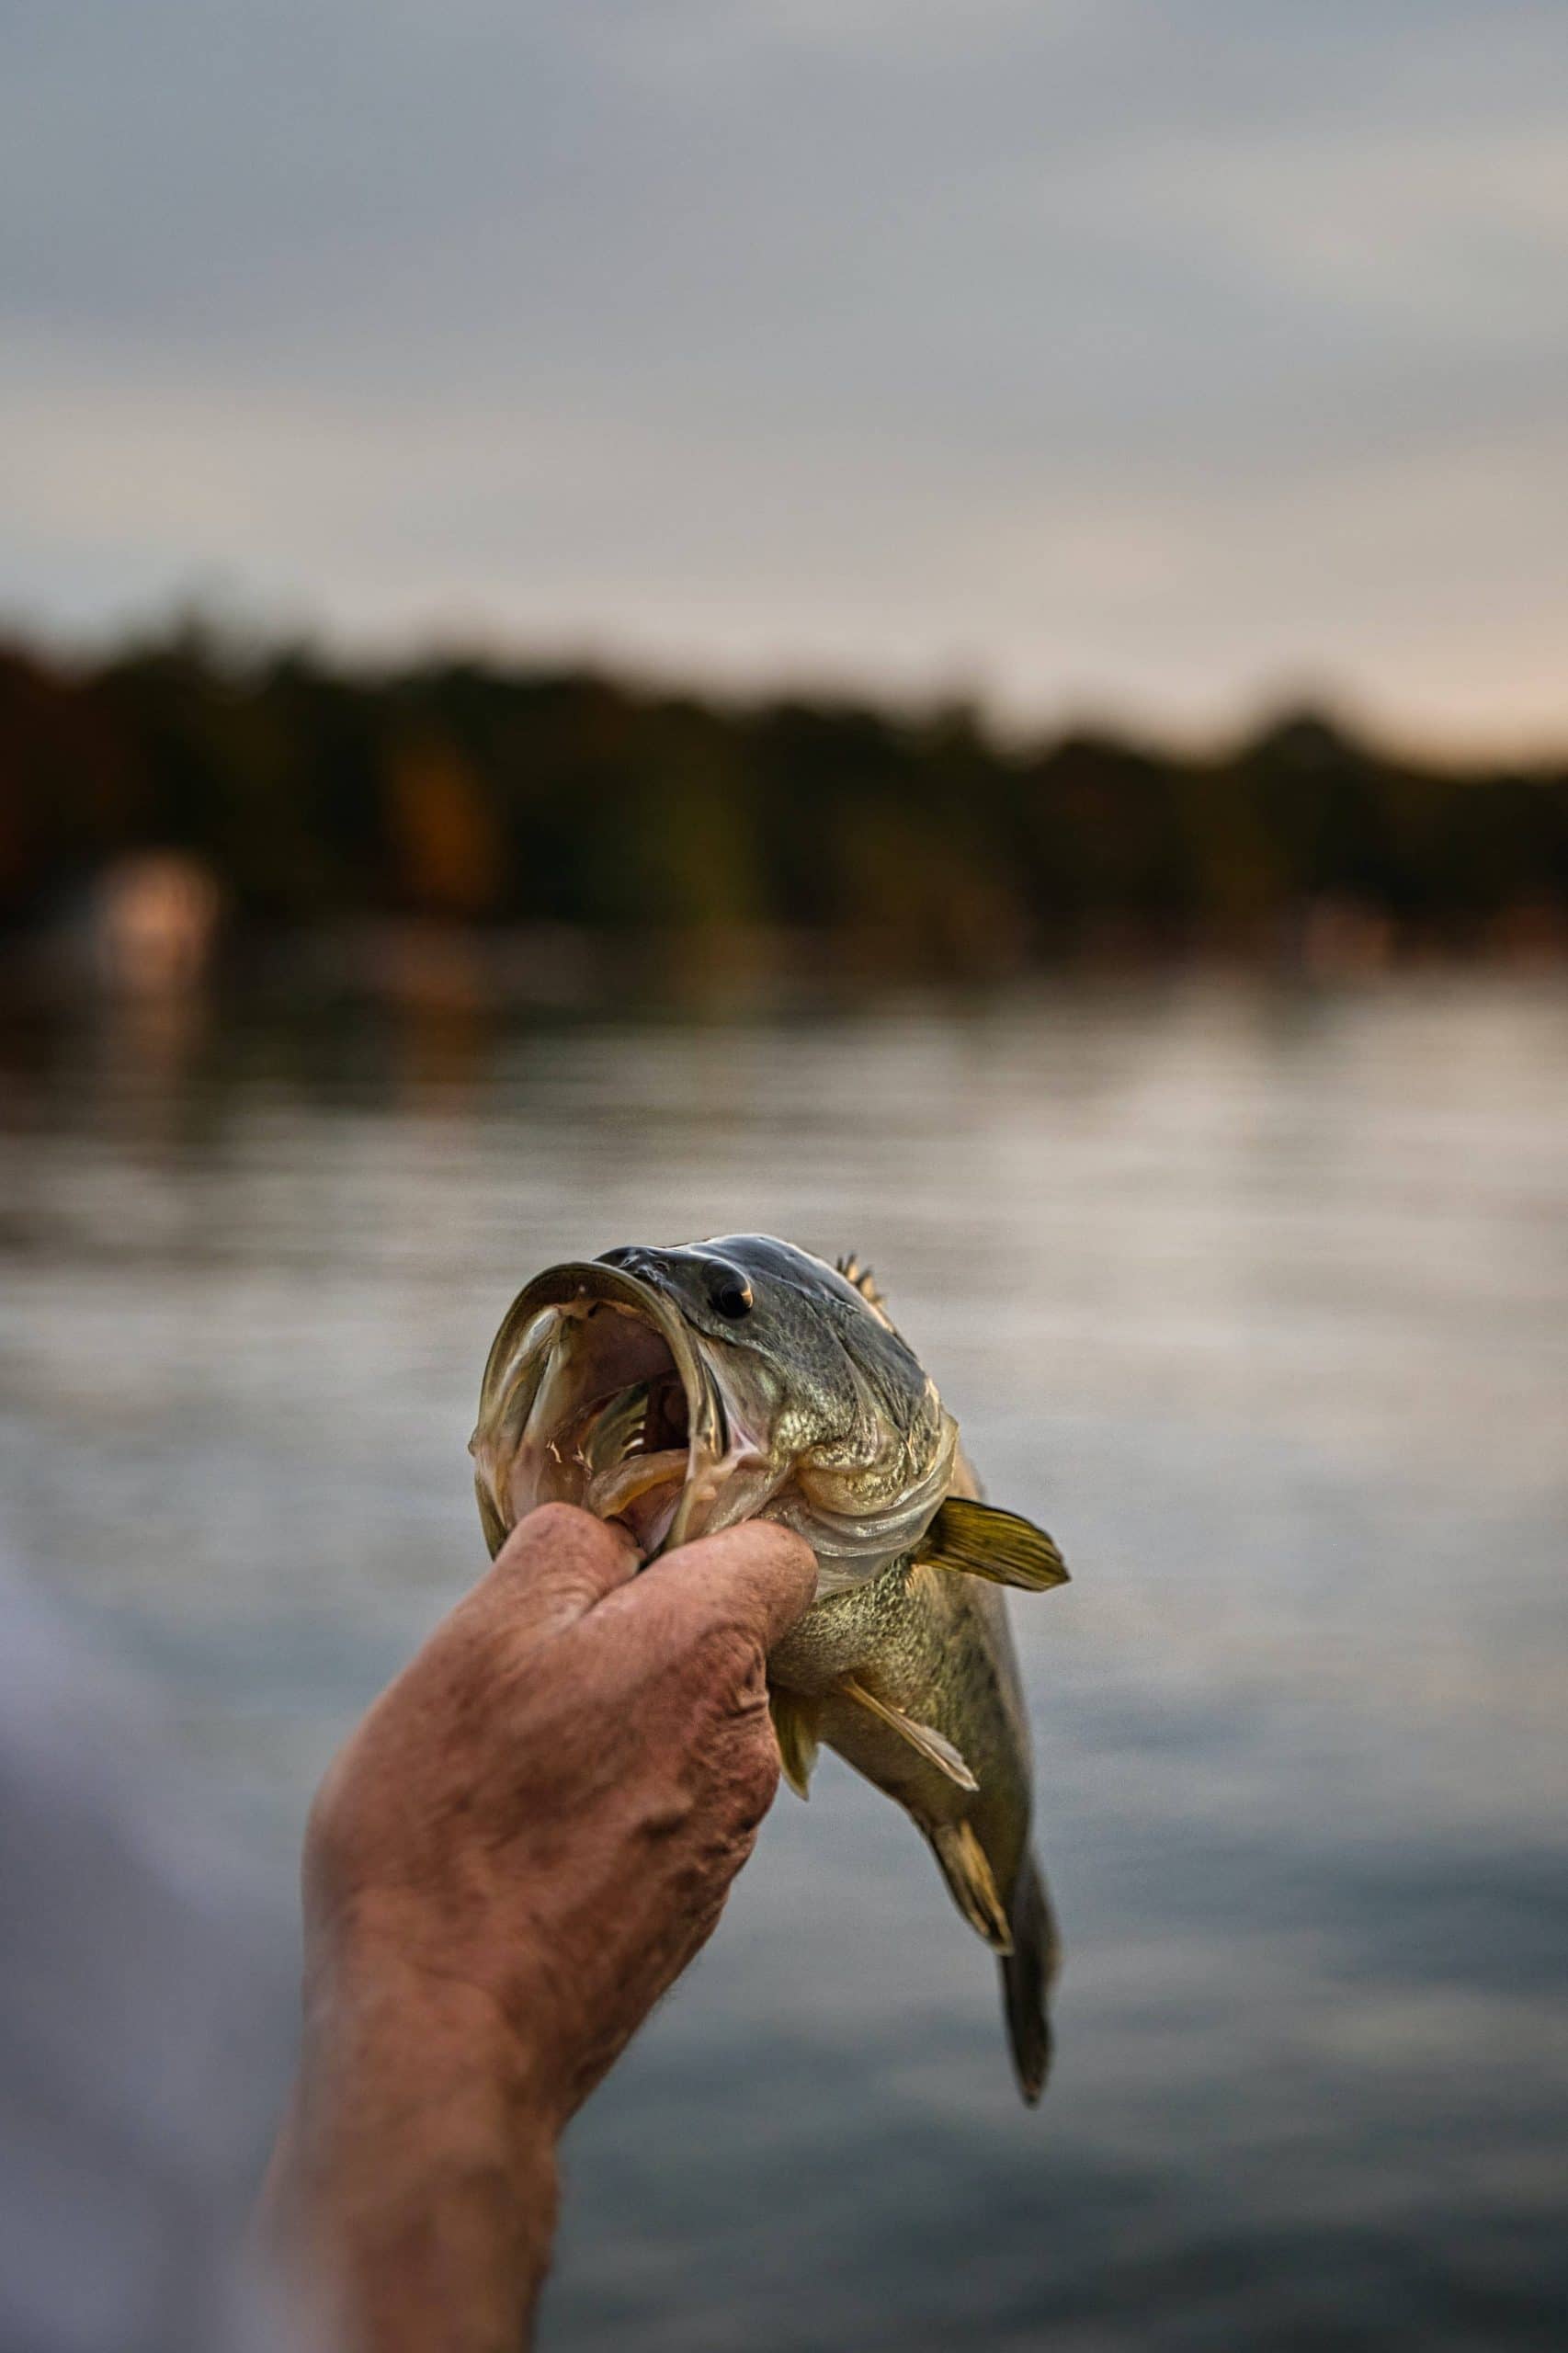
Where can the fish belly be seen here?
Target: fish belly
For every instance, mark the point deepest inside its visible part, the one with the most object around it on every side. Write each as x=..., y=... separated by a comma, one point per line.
x=937, y=1650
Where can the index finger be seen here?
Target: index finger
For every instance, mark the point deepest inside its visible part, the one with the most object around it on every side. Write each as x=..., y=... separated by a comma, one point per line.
x=759, y=1576
x=558, y=1561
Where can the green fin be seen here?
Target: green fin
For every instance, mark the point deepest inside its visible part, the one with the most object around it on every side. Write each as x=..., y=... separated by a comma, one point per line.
x=922, y=1738
x=973, y=1885
x=795, y=1729
x=982, y=1543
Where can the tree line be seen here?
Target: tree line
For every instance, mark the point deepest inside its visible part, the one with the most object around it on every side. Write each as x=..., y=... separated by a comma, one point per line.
x=503, y=794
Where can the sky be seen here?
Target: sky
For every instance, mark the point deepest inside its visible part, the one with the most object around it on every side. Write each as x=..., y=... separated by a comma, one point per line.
x=1161, y=362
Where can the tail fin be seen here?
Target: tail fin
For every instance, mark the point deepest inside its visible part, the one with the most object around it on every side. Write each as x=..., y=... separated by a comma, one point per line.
x=1026, y=1975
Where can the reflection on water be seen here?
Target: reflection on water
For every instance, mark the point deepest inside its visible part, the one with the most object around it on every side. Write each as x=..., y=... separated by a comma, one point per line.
x=1256, y=1301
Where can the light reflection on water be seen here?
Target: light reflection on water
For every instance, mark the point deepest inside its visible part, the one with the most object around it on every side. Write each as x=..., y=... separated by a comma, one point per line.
x=1256, y=1300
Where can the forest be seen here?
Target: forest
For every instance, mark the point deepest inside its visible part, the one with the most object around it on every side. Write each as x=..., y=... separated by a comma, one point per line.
x=497, y=794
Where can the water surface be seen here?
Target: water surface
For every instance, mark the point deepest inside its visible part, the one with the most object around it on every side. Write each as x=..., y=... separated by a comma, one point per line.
x=1257, y=1299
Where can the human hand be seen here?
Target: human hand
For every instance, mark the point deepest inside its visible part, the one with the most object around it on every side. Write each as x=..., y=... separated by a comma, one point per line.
x=549, y=1805
x=523, y=1844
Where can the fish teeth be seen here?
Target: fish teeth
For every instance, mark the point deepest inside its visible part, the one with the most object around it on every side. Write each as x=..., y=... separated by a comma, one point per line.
x=619, y=1430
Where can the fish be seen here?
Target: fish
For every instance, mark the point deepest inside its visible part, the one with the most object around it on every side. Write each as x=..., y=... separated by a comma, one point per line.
x=682, y=1390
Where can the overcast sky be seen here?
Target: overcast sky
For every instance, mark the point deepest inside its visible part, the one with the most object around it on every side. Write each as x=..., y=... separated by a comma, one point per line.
x=1095, y=356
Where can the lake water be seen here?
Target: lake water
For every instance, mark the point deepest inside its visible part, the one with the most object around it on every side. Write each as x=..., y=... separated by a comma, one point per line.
x=1257, y=1299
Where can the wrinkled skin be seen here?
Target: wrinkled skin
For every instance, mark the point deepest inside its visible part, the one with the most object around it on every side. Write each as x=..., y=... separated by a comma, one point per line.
x=604, y=1746
x=524, y=1843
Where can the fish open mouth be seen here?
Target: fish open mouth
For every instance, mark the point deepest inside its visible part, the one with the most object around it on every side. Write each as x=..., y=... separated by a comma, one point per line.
x=595, y=1394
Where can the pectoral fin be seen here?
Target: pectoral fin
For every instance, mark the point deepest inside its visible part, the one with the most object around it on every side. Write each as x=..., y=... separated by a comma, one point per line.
x=795, y=1729
x=926, y=1741
x=981, y=1543
x=973, y=1885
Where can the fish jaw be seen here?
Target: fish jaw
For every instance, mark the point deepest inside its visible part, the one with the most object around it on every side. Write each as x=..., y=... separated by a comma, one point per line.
x=601, y=1390
x=591, y=1369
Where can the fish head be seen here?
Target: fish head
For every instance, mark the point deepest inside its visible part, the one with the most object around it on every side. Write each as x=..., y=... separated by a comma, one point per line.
x=682, y=1390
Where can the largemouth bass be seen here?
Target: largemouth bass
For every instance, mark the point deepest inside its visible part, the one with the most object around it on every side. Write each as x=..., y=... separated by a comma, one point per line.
x=681, y=1391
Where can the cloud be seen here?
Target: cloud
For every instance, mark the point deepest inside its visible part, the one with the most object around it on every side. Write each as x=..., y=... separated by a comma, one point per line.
x=1110, y=352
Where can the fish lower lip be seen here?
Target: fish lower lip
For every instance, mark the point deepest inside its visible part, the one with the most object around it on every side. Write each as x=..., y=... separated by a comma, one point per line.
x=612, y=1491
x=613, y=1409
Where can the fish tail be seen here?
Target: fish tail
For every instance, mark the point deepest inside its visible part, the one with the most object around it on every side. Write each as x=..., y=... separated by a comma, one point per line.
x=1026, y=1974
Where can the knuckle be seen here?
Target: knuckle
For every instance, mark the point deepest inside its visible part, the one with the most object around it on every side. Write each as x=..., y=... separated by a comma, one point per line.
x=757, y=1778
x=742, y=1780
x=722, y=1657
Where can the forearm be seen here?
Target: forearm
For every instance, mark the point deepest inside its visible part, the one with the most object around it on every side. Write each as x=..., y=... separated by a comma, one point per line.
x=523, y=1843
x=415, y=2181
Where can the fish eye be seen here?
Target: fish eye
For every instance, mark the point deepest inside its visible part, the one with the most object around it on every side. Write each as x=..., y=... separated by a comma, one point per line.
x=728, y=1290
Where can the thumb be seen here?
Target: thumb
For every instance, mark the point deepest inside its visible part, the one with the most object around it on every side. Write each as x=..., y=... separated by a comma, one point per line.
x=759, y=1578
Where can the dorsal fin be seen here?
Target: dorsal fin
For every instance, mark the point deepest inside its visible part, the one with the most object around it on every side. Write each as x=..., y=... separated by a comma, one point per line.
x=864, y=1280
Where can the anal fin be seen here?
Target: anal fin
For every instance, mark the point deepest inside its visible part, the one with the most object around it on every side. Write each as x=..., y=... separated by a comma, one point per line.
x=973, y=1885
x=933, y=1745
x=795, y=1729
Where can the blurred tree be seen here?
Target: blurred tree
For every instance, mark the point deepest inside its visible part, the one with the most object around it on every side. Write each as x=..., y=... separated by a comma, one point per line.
x=480, y=792
x=447, y=839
